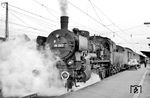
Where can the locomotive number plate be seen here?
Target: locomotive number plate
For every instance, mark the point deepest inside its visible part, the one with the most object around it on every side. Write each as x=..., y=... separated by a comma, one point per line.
x=59, y=45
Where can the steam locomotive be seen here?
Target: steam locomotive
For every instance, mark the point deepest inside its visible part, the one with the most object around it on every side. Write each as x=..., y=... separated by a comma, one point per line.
x=82, y=54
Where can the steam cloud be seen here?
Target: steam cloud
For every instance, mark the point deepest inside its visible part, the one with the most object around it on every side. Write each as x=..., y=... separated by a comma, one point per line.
x=24, y=70
x=63, y=7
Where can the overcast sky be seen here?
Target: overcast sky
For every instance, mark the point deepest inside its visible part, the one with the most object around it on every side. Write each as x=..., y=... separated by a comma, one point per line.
x=120, y=20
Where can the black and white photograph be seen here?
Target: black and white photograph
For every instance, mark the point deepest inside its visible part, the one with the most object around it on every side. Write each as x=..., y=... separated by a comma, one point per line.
x=74, y=48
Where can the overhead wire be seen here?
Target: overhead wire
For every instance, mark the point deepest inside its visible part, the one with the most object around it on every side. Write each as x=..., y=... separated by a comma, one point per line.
x=33, y=18
x=32, y=13
x=72, y=4
x=95, y=11
x=106, y=16
x=18, y=18
x=24, y=26
x=25, y=29
x=90, y=16
x=21, y=21
x=33, y=28
x=134, y=27
x=109, y=20
x=45, y=8
x=56, y=17
x=94, y=19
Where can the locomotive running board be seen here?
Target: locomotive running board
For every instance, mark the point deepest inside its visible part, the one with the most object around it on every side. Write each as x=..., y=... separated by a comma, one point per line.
x=99, y=61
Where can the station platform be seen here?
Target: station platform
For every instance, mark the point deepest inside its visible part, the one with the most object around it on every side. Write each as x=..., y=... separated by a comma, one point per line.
x=127, y=84
x=146, y=85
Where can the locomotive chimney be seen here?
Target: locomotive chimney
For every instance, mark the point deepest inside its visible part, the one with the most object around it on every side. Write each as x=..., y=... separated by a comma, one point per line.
x=64, y=22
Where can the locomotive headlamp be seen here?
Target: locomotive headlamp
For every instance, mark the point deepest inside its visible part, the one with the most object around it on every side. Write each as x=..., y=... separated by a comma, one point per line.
x=65, y=75
x=70, y=62
x=57, y=35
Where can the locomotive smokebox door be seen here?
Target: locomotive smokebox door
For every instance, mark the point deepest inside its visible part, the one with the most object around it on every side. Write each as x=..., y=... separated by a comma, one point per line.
x=62, y=41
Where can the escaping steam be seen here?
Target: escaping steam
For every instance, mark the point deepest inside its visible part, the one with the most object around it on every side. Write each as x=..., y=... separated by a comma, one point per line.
x=63, y=7
x=24, y=70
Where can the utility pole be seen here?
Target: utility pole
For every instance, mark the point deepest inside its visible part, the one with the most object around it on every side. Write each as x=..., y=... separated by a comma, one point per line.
x=6, y=22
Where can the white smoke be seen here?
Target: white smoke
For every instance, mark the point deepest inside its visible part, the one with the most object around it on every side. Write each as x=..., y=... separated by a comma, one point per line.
x=24, y=70
x=63, y=7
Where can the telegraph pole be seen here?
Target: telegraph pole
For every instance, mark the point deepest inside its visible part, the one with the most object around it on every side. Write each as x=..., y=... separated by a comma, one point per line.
x=6, y=22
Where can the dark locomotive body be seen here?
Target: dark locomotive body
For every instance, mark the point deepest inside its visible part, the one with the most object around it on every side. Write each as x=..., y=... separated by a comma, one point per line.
x=82, y=54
